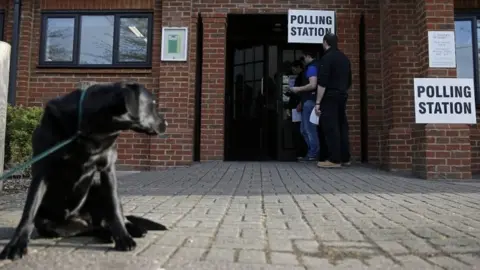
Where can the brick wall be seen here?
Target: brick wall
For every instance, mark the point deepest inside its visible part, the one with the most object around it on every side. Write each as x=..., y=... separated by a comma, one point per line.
x=374, y=82
x=399, y=36
x=37, y=85
x=177, y=90
x=213, y=86
x=429, y=151
x=440, y=151
x=6, y=7
x=394, y=29
x=174, y=82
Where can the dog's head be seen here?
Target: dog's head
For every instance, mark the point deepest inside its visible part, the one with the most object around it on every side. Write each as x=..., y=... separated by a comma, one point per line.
x=141, y=110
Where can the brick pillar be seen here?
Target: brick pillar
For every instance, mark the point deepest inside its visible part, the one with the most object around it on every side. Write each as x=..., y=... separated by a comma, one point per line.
x=174, y=90
x=213, y=86
x=399, y=35
x=24, y=68
x=439, y=151
x=7, y=7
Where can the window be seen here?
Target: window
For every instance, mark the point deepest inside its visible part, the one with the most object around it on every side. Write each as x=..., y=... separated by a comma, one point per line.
x=2, y=16
x=467, y=31
x=96, y=40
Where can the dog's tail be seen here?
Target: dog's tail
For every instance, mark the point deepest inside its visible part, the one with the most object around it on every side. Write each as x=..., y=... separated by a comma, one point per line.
x=146, y=223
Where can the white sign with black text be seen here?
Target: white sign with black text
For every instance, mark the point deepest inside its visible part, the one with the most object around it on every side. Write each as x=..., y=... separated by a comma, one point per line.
x=309, y=26
x=444, y=101
x=441, y=49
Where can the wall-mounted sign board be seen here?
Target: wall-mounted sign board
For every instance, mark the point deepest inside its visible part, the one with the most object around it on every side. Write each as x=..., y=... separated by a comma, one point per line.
x=174, y=43
x=444, y=101
x=441, y=49
x=310, y=26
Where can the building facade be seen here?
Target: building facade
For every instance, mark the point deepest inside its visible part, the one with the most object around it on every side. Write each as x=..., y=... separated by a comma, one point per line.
x=54, y=56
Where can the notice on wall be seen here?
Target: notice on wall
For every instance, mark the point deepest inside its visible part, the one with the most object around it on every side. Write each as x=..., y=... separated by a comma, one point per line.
x=309, y=26
x=441, y=49
x=444, y=101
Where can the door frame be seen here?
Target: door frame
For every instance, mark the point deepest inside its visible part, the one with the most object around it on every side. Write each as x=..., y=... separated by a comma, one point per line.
x=228, y=99
x=363, y=91
x=227, y=114
x=197, y=130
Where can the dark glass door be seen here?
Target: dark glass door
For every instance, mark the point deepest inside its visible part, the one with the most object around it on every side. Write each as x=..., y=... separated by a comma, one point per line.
x=258, y=123
x=247, y=134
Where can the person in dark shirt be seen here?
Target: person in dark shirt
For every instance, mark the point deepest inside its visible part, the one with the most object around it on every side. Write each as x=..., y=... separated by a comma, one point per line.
x=296, y=104
x=307, y=93
x=334, y=80
x=295, y=101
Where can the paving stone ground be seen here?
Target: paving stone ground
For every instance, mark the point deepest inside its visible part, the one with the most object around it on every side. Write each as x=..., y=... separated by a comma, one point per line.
x=277, y=216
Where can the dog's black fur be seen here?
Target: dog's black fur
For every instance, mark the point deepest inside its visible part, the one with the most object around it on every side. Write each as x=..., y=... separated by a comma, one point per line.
x=64, y=198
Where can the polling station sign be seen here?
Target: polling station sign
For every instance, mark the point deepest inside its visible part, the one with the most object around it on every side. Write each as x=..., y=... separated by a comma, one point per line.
x=444, y=101
x=310, y=26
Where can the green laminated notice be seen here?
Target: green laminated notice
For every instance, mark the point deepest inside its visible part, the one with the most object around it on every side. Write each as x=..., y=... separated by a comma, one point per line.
x=173, y=44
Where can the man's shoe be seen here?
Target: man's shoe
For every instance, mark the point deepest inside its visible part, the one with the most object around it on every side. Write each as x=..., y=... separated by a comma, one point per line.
x=306, y=159
x=328, y=164
x=346, y=164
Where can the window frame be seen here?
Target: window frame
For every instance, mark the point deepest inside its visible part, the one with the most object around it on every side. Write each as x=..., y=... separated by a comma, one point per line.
x=76, y=15
x=2, y=24
x=253, y=62
x=243, y=64
x=474, y=18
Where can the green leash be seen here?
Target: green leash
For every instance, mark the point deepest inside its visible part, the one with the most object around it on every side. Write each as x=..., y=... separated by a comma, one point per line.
x=54, y=148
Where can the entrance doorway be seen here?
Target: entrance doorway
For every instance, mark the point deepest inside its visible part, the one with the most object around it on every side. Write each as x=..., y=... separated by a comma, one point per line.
x=258, y=125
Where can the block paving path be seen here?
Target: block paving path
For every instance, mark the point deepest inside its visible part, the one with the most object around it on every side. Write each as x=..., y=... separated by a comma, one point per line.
x=276, y=216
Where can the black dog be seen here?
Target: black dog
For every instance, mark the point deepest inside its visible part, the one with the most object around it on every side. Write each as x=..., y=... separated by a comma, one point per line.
x=64, y=198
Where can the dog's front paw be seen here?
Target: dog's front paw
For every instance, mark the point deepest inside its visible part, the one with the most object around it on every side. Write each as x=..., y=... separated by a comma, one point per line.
x=14, y=251
x=125, y=243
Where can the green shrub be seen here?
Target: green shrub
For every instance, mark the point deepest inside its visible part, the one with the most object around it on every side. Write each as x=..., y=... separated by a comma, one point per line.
x=21, y=122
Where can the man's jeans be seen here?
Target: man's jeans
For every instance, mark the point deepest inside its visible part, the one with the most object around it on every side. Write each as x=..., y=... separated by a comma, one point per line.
x=309, y=130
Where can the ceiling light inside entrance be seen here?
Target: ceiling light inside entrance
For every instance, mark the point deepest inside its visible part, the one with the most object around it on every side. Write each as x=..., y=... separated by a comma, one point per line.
x=277, y=27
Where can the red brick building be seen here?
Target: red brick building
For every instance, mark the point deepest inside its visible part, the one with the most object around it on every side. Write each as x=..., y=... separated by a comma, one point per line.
x=386, y=41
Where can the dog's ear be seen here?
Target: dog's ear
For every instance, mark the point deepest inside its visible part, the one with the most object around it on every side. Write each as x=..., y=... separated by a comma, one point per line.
x=131, y=92
x=52, y=109
x=59, y=111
